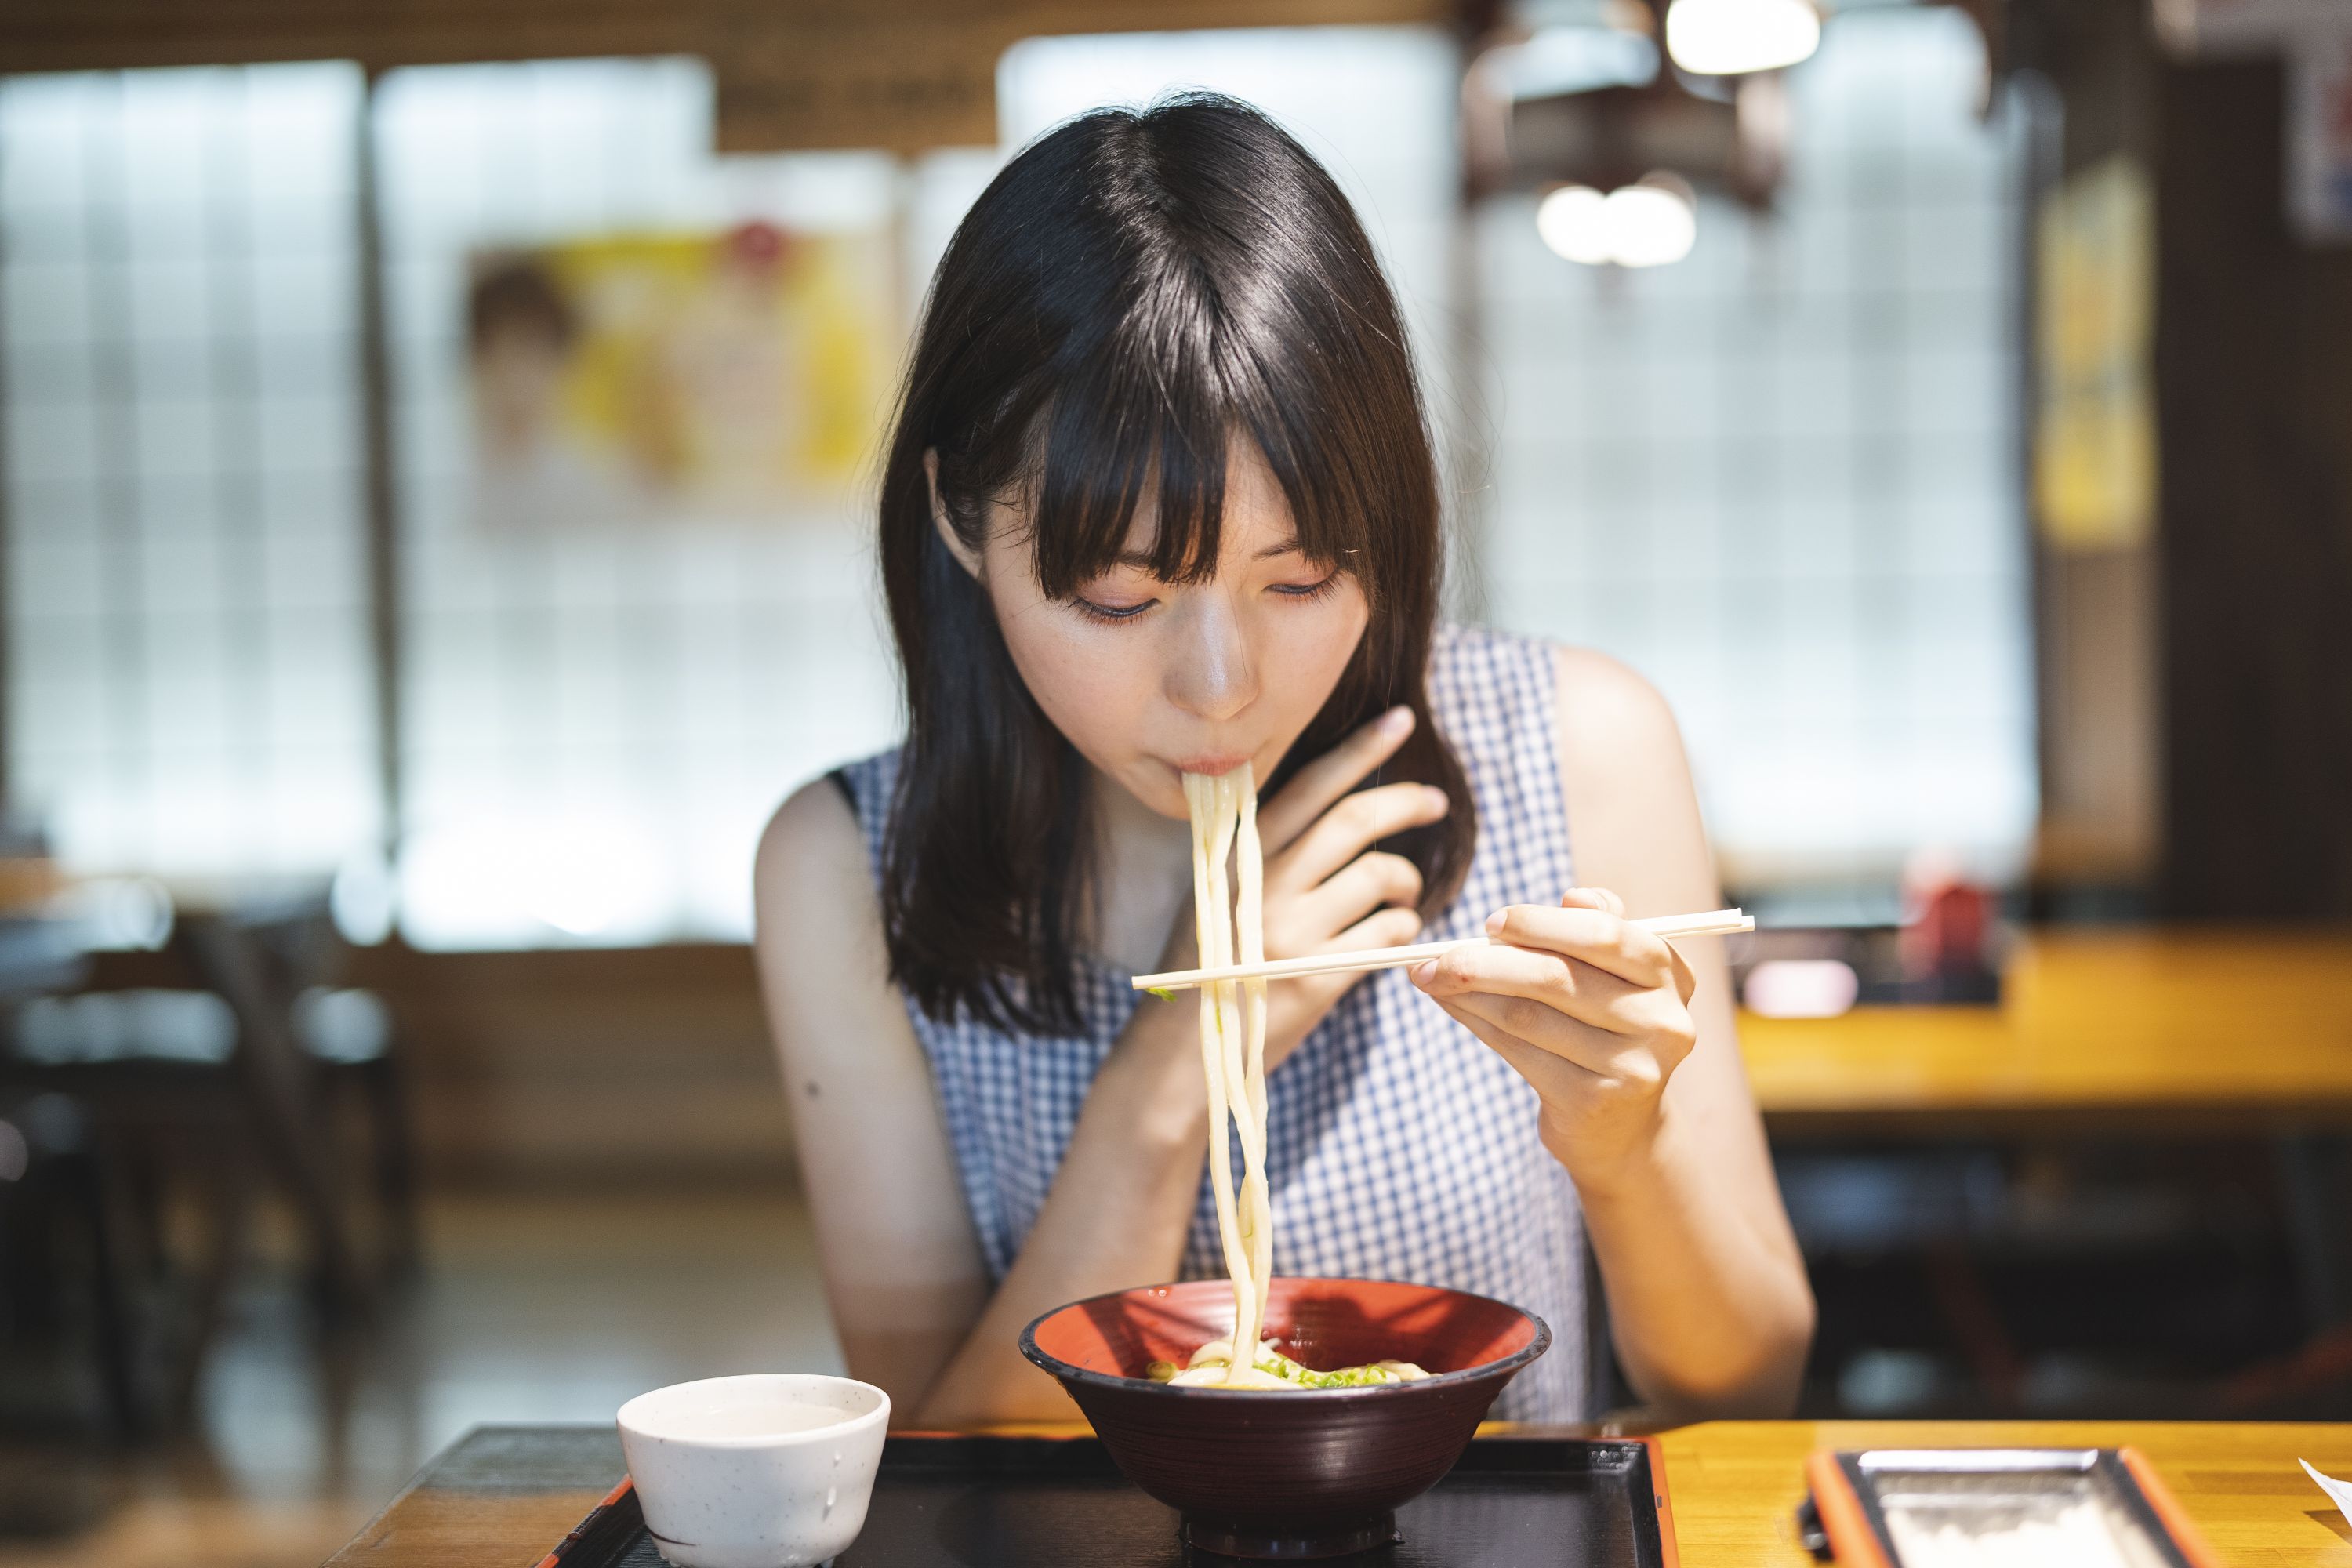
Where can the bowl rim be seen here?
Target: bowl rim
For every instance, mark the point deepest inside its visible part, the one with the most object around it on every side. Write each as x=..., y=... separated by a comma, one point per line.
x=1068, y=1372
x=640, y=1425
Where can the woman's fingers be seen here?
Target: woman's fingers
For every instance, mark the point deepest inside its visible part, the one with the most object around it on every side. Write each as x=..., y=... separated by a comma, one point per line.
x=1542, y=979
x=1593, y=899
x=1685, y=977
x=1536, y=974
x=1535, y=1032
x=1599, y=937
x=1351, y=828
x=1388, y=928
x=1553, y=1071
x=1369, y=882
x=1295, y=1005
x=1311, y=791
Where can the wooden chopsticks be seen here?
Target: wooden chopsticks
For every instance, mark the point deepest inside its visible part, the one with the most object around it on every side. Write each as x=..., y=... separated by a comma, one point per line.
x=1715, y=922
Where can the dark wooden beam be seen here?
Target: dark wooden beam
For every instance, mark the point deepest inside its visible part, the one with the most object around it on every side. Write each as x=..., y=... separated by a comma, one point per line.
x=380, y=510
x=88, y=34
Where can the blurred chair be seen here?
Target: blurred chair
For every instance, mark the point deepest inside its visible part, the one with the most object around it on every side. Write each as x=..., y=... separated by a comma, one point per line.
x=120, y=1236
x=223, y=1058
x=351, y=1037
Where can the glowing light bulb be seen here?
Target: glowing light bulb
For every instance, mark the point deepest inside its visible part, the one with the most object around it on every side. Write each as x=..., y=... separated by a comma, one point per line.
x=1573, y=222
x=1732, y=38
x=1651, y=223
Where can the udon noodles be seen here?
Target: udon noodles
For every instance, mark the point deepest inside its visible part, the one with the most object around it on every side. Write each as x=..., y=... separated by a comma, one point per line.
x=1229, y=920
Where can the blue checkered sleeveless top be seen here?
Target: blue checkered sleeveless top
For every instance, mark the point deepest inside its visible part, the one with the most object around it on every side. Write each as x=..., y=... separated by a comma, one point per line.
x=1398, y=1146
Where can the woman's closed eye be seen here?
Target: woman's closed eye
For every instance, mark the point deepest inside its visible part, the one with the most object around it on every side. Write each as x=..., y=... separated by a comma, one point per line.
x=1113, y=608
x=1114, y=613
x=1329, y=583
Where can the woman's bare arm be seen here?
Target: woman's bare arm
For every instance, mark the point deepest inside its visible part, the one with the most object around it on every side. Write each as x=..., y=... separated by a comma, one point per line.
x=1708, y=1294
x=903, y=1271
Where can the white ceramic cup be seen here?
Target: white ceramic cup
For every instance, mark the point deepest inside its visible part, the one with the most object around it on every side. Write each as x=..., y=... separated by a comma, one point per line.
x=770, y=1470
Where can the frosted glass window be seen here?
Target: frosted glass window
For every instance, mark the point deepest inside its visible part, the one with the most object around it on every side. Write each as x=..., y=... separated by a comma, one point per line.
x=189, y=689
x=599, y=717
x=1779, y=477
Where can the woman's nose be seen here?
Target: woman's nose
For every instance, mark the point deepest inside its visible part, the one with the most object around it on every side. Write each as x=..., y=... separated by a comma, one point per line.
x=1211, y=674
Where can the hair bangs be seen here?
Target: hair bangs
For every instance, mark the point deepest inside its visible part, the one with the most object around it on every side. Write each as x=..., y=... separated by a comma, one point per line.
x=1336, y=512
x=1154, y=419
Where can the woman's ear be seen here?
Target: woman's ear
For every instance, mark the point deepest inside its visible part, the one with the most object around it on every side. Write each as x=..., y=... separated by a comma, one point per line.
x=966, y=556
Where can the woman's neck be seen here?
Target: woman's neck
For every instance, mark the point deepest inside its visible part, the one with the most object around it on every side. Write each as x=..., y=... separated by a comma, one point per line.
x=1143, y=881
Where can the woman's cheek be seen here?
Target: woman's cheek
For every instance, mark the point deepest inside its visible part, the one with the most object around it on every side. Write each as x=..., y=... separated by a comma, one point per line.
x=1084, y=678
x=1313, y=643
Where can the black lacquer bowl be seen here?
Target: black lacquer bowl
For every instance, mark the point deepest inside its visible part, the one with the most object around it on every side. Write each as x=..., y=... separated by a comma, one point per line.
x=1287, y=1474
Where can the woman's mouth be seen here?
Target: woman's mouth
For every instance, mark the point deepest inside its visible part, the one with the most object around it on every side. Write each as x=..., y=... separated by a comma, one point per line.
x=1210, y=763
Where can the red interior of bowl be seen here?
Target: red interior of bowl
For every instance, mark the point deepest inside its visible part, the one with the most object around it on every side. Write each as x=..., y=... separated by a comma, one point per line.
x=1324, y=1323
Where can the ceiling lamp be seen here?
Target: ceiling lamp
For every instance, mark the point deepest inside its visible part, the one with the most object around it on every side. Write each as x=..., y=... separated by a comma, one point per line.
x=1652, y=223
x=1732, y=38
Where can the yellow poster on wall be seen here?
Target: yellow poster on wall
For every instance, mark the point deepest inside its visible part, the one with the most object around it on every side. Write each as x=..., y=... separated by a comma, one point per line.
x=661, y=377
x=2095, y=428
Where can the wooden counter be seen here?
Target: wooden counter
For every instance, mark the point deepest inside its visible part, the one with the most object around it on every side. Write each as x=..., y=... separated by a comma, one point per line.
x=504, y=1495
x=1735, y=1484
x=2143, y=1027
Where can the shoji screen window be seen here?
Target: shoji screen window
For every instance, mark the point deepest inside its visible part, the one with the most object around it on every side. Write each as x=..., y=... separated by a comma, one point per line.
x=188, y=686
x=1780, y=476
x=600, y=712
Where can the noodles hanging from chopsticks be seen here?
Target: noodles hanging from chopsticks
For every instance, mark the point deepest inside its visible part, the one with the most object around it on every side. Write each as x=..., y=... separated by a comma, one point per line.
x=1230, y=919
x=1233, y=1043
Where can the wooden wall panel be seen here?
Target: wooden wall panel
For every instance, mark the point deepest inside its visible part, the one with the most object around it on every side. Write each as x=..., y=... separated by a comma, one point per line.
x=2239, y=613
x=2254, y=363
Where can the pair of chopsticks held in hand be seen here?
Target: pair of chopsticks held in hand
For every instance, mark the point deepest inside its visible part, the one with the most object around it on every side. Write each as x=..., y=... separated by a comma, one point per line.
x=1671, y=928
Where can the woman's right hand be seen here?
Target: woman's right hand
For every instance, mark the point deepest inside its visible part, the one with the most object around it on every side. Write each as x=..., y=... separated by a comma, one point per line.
x=1326, y=888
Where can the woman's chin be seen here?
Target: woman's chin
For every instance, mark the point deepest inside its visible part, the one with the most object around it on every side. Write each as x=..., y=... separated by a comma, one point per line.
x=1153, y=784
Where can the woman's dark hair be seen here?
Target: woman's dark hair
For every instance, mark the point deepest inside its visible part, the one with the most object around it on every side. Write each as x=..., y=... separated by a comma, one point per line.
x=1130, y=293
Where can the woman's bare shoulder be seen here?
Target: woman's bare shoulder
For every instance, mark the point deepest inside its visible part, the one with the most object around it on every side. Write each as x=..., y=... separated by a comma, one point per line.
x=819, y=924
x=1633, y=814
x=812, y=842
x=1607, y=709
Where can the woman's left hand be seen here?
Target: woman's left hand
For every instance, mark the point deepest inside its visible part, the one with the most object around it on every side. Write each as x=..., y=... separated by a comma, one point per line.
x=1591, y=1009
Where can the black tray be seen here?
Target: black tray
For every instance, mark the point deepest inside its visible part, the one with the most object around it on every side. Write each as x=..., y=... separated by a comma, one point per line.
x=999, y=1502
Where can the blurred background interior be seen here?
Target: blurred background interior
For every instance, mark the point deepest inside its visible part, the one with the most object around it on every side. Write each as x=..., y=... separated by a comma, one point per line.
x=435, y=512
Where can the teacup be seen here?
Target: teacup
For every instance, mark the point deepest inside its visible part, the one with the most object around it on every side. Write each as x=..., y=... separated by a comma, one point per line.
x=769, y=1470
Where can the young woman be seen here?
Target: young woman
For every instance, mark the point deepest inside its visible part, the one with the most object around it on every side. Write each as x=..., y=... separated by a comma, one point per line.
x=1160, y=500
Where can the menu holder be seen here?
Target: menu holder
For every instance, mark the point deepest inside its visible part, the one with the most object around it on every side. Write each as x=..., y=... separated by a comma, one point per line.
x=1035, y=1502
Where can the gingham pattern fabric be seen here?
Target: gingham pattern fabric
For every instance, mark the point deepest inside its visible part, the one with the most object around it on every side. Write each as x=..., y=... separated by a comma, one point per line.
x=1399, y=1146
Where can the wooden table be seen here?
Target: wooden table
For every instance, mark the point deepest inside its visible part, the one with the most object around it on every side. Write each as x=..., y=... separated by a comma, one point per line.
x=504, y=1495
x=1735, y=1484
x=2215, y=1030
